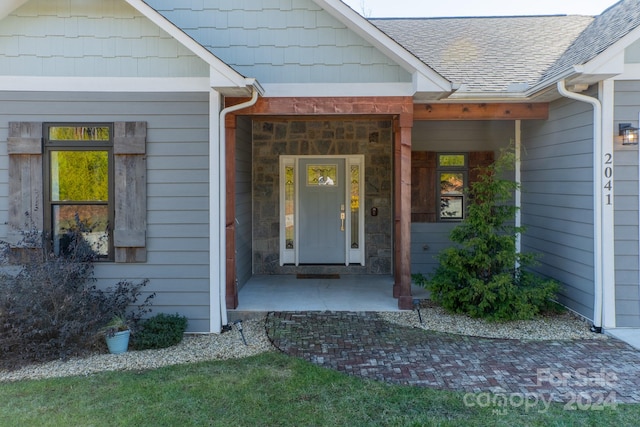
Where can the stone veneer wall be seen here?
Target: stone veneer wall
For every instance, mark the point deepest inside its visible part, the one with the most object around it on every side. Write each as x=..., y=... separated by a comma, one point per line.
x=372, y=138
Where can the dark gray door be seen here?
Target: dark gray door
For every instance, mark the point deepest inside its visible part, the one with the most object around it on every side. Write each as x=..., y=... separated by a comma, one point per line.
x=322, y=210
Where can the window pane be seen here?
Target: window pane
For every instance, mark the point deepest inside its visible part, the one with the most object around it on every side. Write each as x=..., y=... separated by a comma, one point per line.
x=79, y=175
x=451, y=183
x=451, y=207
x=91, y=221
x=451, y=195
x=79, y=133
x=456, y=160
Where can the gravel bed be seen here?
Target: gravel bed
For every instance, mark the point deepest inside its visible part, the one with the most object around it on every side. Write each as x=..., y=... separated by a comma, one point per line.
x=564, y=326
x=197, y=348
x=193, y=348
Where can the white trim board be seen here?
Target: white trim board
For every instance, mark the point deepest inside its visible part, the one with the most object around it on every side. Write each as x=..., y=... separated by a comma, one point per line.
x=104, y=84
x=276, y=90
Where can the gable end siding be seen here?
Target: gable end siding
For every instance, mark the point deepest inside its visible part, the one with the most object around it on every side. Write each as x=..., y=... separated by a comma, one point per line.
x=88, y=38
x=283, y=41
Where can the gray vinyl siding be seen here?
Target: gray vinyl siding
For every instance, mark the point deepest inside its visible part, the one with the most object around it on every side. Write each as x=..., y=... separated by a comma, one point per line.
x=626, y=204
x=244, y=229
x=84, y=38
x=557, y=199
x=428, y=239
x=282, y=41
x=177, y=186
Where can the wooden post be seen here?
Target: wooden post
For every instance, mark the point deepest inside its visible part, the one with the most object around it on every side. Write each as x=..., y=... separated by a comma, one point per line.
x=402, y=215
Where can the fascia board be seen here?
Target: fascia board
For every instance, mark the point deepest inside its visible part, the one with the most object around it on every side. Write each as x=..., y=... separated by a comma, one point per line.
x=608, y=62
x=552, y=81
x=422, y=83
x=8, y=6
x=220, y=72
x=356, y=23
x=487, y=96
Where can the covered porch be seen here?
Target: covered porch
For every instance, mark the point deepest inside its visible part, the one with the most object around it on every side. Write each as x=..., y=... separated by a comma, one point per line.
x=254, y=224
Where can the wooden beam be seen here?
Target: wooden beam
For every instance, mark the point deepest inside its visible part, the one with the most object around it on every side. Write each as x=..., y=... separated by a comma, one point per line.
x=501, y=111
x=391, y=105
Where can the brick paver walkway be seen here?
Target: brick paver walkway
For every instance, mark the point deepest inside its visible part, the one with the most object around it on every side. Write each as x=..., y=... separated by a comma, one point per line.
x=364, y=345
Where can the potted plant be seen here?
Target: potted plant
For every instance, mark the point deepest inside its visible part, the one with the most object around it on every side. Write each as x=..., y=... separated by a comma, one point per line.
x=117, y=335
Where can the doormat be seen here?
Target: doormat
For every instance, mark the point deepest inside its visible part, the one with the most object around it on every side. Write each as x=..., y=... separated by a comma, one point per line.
x=317, y=276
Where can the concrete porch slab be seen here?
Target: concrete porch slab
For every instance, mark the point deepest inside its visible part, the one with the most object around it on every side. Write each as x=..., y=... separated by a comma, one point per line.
x=348, y=293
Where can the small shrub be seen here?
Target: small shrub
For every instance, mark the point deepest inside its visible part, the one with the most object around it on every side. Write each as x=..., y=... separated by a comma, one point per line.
x=160, y=331
x=51, y=308
x=483, y=274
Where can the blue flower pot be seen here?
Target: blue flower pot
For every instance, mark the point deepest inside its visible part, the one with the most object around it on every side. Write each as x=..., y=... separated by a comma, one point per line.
x=119, y=342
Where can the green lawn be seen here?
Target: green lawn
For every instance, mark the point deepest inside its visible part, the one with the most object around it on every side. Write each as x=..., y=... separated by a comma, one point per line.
x=267, y=390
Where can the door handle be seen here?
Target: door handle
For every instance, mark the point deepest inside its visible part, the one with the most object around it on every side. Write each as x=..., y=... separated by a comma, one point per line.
x=342, y=217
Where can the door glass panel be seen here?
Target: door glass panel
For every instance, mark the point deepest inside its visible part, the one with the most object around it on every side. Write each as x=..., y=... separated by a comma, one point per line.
x=355, y=206
x=289, y=206
x=322, y=175
x=90, y=221
x=79, y=175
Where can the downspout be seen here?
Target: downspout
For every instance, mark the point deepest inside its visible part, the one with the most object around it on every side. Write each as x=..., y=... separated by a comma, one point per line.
x=518, y=179
x=222, y=171
x=597, y=199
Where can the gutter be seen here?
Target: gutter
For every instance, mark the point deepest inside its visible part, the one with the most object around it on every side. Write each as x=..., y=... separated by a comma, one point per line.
x=222, y=177
x=597, y=200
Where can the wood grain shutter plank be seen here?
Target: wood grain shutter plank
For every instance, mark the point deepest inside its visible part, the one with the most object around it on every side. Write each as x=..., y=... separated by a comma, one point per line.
x=130, y=187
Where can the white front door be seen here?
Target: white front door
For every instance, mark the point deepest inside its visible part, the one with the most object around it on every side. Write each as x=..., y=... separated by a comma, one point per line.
x=322, y=213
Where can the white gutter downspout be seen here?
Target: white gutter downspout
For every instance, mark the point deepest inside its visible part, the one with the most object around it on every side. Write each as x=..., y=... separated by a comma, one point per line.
x=597, y=199
x=220, y=270
x=518, y=178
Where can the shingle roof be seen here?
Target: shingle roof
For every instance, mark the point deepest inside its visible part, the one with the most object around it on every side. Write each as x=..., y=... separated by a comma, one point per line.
x=492, y=54
x=609, y=27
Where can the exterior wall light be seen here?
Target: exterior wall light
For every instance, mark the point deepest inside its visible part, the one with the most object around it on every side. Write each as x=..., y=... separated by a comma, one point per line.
x=628, y=133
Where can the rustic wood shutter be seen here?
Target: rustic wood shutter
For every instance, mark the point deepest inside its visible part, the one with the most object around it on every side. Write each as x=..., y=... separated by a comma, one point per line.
x=130, y=187
x=24, y=146
x=423, y=186
x=478, y=160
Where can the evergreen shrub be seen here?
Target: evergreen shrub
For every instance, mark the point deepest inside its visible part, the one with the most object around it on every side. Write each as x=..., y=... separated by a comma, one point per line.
x=483, y=275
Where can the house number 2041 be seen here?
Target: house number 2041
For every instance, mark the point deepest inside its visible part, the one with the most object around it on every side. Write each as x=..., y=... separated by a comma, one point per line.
x=608, y=176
